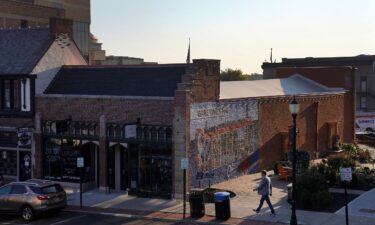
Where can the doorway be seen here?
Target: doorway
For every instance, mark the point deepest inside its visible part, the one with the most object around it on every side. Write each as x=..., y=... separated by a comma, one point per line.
x=24, y=165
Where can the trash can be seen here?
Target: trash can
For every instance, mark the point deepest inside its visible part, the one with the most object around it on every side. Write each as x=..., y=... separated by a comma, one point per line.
x=222, y=205
x=196, y=202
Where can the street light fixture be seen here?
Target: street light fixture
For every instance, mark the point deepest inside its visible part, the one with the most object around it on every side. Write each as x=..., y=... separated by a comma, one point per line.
x=294, y=109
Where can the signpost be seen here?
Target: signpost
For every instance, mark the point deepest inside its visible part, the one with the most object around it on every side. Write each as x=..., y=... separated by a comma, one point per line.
x=184, y=167
x=80, y=165
x=346, y=175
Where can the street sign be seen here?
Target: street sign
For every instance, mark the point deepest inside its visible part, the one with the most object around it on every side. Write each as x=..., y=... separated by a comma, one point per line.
x=346, y=174
x=80, y=162
x=183, y=163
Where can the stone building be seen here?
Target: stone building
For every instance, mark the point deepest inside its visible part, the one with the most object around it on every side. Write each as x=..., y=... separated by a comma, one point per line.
x=365, y=64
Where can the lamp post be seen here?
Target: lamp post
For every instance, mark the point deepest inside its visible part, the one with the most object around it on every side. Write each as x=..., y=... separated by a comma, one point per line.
x=294, y=109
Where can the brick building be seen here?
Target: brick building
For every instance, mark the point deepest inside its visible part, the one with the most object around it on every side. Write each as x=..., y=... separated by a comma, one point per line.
x=365, y=64
x=37, y=13
x=134, y=124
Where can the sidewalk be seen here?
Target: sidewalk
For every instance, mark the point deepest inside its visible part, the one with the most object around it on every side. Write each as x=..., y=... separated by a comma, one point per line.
x=241, y=206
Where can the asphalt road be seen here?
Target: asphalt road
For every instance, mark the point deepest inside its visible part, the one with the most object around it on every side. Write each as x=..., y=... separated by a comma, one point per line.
x=72, y=218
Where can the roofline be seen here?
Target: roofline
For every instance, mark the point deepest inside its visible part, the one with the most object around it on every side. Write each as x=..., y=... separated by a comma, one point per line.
x=314, y=94
x=124, y=66
x=117, y=97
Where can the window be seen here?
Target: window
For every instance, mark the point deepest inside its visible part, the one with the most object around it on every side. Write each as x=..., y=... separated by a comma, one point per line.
x=18, y=189
x=363, y=102
x=363, y=84
x=8, y=162
x=5, y=190
x=10, y=94
x=24, y=24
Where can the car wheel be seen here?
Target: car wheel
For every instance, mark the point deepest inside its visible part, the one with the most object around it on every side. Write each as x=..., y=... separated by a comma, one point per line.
x=27, y=213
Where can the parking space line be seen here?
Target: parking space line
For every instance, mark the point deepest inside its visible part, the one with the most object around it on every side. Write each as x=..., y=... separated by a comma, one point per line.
x=67, y=220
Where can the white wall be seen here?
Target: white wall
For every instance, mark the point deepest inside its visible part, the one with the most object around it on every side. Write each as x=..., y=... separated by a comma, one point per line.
x=56, y=56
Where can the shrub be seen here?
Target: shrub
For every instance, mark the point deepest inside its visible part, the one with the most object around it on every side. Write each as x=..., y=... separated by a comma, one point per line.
x=303, y=160
x=312, y=190
x=350, y=149
x=364, y=156
x=337, y=161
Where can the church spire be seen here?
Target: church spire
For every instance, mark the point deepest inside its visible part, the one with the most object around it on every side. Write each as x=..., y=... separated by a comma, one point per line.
x=188, y=54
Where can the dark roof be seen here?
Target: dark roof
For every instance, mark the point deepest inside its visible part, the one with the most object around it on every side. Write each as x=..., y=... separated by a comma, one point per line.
x=323, y=61
x=21, y=49
x=118, y=81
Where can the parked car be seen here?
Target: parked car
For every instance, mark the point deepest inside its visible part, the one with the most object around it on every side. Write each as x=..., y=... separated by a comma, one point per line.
x=2, y=181
x=32, y=198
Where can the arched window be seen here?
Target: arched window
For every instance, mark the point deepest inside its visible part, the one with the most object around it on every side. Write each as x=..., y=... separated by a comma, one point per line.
x=92, y=128
x=111, y=131
x=84, y=129
x=139, y=132
x=154, y=134
x=161, y=134
x=168, y=134
x=77, y=129
x=118, y=132
x=146, y=133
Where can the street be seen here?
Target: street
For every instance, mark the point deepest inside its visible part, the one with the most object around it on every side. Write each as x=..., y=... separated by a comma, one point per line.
x=75, y=218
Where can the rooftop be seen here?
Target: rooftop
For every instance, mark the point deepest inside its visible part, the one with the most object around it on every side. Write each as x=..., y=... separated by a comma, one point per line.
x=294, y=85
x=21, y=49
x=156, y=81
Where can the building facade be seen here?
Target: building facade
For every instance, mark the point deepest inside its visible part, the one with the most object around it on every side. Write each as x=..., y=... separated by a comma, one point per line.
x=26, y=54
x=37, y=13
x=365, y=64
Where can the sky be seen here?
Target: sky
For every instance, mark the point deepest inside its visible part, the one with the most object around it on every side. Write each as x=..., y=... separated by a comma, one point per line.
x=238, y=32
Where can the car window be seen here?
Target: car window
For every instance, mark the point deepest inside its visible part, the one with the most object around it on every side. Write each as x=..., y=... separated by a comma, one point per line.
x=5, y=190
x=18, y=189
x=47, y=190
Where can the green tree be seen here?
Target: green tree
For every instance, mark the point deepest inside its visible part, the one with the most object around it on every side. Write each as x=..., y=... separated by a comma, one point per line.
x=237, y=75
x=232, y=74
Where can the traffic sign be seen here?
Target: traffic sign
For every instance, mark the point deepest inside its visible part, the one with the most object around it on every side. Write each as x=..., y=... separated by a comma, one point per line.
x=80, y=162
x=346, y=174
x=183, y=163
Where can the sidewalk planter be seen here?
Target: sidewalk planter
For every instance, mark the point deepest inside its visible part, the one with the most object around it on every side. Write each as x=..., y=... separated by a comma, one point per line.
x=222, y=205
x=197, y=208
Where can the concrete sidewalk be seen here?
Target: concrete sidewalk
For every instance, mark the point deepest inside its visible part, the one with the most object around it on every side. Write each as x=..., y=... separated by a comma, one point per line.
x=241, y=205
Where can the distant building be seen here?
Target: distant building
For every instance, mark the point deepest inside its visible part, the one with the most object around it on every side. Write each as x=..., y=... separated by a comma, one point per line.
x=37, y=13
x=365, y=76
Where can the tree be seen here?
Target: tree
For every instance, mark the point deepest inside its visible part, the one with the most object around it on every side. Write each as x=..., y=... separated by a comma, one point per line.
x=232, y=74
x=237, y=75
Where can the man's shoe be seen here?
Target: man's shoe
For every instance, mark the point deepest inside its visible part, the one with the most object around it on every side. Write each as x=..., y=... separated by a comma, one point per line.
x=273, y=214
x=257, y=211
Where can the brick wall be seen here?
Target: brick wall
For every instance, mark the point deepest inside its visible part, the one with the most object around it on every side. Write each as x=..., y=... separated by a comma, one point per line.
x=313, y=121
x=115, y=110
x=341, y=77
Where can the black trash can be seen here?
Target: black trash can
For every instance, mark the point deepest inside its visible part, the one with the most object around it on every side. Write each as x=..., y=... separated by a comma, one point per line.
x=222, y=205
x=196, y=201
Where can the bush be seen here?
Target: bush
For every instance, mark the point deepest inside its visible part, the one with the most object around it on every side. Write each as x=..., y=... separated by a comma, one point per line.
x=337, y=161
x=350, y=149
x=303, y=161
x=312, y=190
x=276, y=168
x=364, y=156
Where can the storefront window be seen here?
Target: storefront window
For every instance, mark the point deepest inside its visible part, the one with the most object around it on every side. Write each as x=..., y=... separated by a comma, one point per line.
x=60, y=160
x=8, y=162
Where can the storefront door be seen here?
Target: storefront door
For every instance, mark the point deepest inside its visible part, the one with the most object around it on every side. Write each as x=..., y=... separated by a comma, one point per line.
x=24, y=165
x=125, y=168
x=111, y=168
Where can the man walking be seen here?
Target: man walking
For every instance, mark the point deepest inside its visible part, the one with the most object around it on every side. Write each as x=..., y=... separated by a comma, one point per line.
x=265, y=190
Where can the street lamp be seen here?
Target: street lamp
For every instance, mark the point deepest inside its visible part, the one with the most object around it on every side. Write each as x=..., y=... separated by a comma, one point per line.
x=294, y=109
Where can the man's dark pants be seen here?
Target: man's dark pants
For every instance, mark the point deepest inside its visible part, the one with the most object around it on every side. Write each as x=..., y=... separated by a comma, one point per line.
x=265, y=197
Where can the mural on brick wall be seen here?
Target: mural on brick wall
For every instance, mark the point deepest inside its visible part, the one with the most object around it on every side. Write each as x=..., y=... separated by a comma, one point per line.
x=224, y=141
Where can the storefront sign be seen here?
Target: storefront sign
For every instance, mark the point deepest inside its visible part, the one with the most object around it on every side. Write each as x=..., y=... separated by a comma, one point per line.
x=346, y=174
x=24, y=138
x=131, y=131
x=80, y=162
x=183, y=163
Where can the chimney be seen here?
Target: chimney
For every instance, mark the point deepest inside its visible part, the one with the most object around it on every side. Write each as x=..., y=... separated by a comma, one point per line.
x=61, y=26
